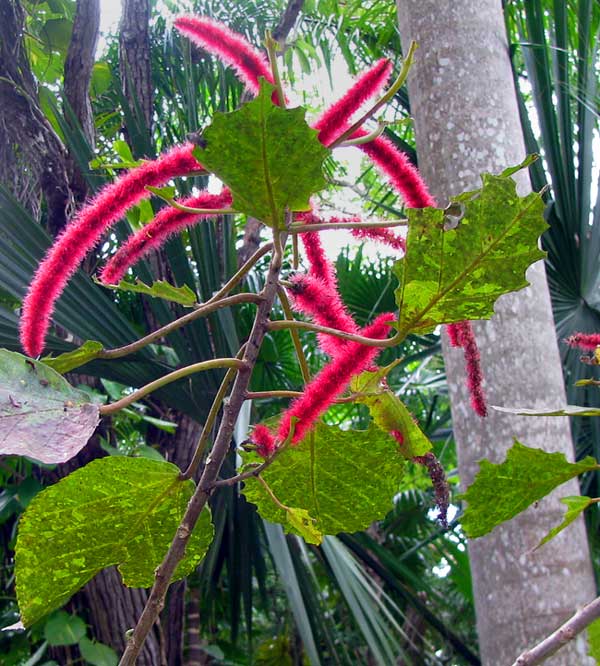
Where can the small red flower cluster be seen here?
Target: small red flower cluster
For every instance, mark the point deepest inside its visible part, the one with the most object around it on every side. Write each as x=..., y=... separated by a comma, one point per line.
x=586, y=341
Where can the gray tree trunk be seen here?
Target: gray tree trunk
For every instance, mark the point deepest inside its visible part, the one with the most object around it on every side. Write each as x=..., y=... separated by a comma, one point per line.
x=466, y=120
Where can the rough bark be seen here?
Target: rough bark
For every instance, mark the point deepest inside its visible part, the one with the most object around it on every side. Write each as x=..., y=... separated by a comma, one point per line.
x=24, y=128
x=466, y=122
x=77, y=77
x=134, y=56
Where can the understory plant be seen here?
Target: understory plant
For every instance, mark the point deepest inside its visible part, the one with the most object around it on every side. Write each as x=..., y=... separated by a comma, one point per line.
x=151, y=518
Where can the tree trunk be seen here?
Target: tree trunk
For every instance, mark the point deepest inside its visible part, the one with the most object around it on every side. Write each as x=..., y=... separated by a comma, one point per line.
x=25, y=131
x=466, y=121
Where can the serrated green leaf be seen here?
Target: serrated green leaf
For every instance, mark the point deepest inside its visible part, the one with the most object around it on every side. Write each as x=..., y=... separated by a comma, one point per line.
x=41, y=415
x=500, y=492
x=97, y=654
x=576, y=505
x=569, y=410
x=268, y=156
x=454, y=274
x=66, y=362
x=389, y=412
x=304, y=525
x=319, y=476
x=593, y=632
x=114, y=511
x=62, y=628
x=159, y=289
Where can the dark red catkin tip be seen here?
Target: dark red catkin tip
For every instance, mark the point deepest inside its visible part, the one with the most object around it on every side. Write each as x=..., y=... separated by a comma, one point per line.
x=464, y=336
x=83, y=232
x=440, y=484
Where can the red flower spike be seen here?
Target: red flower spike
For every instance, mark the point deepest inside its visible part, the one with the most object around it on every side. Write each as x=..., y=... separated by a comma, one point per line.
x=466, y=339
x=229, y=46
x=264, y=441
x=315, y=299
x=587, y=341
x=454, y=331
x=84, y=231
x=320, y=266
x=385, y=236
x=152, y=236
x=333, y=379
x=333, y=121
x=402, y=175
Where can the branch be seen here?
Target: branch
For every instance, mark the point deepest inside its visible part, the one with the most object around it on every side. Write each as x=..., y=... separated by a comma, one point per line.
x=176, y=551
x=301, y=228
x=279, y=325
x=567, y=632
x=168, y=379
x=287, y=21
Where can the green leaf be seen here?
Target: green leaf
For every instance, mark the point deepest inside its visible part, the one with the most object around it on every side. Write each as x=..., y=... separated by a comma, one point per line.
x=97, y=654
x=64, y=629
x=319, y=475
x=159, y=289
x=452, y=273
x=389, y=412
x=101, y=79
x=114, y=511
x=500, y=492
x=569, y=410
x=269, y=157
x=66, y=362
x=593, y=632
x=576, y=505
x=41, y=415
x=304, y=525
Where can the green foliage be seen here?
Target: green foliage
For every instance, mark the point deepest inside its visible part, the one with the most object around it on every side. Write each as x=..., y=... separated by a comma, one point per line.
x=97, y=654
x=64, y=629
x=114, y=511
x=500, y=492
x=159, y=289
x=269, y=157
x=593, y=632
x=389, y=412
x=68, y=361
x=452, y=273
x=319, y=475
x=576, y=505
x=42, y=415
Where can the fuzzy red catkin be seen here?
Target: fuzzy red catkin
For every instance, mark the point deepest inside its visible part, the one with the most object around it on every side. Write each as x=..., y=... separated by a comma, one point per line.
x=153, y=235
x=312, y=297
x=83, y=232
x=586, y=341
x=385, y=236
x=320, y=266
x=229, y=46
x=333, y=121
x=466, y=339
x=332, y=381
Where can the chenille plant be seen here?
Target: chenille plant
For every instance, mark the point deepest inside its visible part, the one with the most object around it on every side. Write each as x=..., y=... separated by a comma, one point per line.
x=152, y=519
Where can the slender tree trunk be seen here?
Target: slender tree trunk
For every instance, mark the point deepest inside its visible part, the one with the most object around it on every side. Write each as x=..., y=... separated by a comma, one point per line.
x=466, y=121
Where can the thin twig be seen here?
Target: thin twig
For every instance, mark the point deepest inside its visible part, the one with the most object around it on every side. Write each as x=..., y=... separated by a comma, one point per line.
x=563, y=635
x=211, y=364
x=301, y=228
x=280, y=324
x=201, y=311
x=289, y=315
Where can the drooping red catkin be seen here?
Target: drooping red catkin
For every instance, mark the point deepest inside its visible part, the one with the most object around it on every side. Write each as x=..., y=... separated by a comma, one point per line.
x=312, y=297
x=229, y=46
x=381, y=235
x=453, y=331
x=263, y=439
x=587, y=341
x=332, y=380
x=465, y=337
x=336, y=118
x=84, y=231
x=320, y=266
x=167, y=222
x=403, y=176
